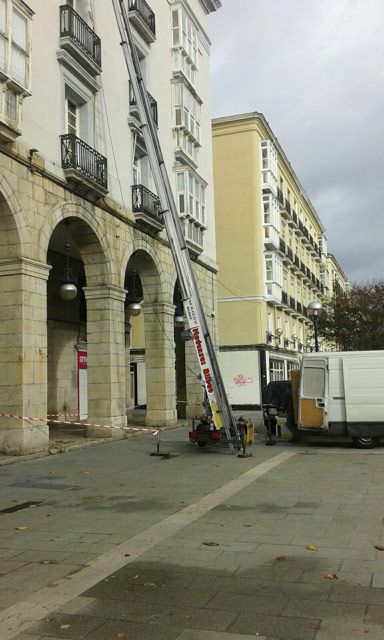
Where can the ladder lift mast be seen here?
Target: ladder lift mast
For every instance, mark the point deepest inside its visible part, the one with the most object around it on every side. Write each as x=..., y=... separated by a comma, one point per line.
x=210, y=373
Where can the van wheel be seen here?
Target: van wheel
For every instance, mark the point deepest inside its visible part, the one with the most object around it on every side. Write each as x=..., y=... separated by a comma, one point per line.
x=201, y=444
x=366, y=442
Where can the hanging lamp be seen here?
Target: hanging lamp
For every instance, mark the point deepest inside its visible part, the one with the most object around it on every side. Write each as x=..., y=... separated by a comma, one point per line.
x=68, y=288
x=134, y=299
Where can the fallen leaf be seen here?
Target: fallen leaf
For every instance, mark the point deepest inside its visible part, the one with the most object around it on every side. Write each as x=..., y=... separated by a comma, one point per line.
x=120, y=635
x=331, y=576
x=65, y=626
x=126, y=555
x=21, y=528
x=311, y=547
x=211, y=544
x=247, y=525
x=281, y=557
x=52, y=472
x=380, y=547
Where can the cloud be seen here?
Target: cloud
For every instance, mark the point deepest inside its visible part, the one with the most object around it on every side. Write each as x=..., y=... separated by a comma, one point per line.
x=315, y=70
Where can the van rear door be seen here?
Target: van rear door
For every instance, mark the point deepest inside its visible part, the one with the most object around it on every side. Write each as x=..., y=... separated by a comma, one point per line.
x=313, y=394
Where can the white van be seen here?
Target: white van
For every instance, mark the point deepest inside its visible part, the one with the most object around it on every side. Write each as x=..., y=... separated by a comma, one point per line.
x=341, y=394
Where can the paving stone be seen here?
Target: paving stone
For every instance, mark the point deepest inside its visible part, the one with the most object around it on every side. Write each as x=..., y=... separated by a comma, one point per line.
x=66, y=626
x=327, y=610
x=333, y=630
x=195, y=634
x=284, y=628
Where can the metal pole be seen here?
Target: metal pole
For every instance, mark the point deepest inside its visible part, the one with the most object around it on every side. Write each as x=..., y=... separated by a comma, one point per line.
x=315, y=320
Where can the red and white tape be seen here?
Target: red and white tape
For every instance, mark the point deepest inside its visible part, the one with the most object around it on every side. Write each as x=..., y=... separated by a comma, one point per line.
x=78, y=424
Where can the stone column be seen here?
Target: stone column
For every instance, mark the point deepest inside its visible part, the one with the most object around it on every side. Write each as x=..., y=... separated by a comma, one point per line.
x=160, y=363
x=23, y=355
x=106, y=360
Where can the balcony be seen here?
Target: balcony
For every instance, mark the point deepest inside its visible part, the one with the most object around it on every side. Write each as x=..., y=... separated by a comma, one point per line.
x=142, y=19
x=280, y=196
x=299, y=308
x=273, y=293
x=290, y=253
x=292, y=303
x=271, y=237
x=133, y=106
x=285, y=207
x=284, y=297
x=85, y=167
x=79, y=40
x=146, y=207
x=282, y=246
x=268, y=182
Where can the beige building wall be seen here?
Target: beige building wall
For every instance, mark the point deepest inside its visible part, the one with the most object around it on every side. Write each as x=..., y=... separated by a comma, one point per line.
x=97, y=179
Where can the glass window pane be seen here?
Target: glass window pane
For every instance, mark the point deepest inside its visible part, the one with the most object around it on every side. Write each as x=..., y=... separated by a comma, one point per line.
x=3, y=48
x=3, y=15
x=19, y=29
x=18, y=66
x=314, y=382
x=180, y=182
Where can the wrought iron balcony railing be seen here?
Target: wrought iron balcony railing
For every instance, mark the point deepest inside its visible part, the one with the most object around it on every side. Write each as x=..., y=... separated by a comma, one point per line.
x=292, y=303
x=79, y=156
x=144, y=201
x=287, y=205
x=284, y=297
x=146, y=13
x=282, y=245
x=280, y=196
x=73, y=26
x=152, y=103
x=290, y=253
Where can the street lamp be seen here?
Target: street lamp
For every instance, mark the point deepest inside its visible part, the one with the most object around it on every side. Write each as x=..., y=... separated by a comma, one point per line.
x=314, y=309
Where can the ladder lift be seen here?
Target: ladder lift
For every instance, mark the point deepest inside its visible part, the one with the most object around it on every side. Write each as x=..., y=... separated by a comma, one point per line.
x=219, y=420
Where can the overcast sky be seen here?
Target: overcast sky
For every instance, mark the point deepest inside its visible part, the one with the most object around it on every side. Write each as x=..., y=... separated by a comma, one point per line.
x=315, y=69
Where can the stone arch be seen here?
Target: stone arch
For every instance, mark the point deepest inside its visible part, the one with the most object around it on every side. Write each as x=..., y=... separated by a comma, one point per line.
x=90, y=237
x=12, y=222
x=156, y=274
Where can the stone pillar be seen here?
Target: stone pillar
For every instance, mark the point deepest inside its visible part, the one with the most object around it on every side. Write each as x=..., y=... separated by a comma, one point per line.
x=160, y=363
x=23, y=355
x=106, y=360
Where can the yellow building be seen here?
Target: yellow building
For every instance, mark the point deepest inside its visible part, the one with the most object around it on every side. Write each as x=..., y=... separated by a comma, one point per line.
x=271, y=253
x=333, y=277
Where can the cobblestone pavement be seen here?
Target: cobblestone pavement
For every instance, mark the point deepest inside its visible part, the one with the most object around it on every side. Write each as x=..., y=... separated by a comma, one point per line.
x=117, y=544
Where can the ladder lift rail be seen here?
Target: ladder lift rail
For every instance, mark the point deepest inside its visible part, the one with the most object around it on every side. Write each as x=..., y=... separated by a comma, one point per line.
x=210, y=372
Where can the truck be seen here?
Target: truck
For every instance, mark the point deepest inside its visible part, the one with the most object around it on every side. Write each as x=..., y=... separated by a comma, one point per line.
x=338, y=394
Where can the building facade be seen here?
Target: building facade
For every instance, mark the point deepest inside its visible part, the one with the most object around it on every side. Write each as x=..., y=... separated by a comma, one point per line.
x=78, y=208
x=272, y=257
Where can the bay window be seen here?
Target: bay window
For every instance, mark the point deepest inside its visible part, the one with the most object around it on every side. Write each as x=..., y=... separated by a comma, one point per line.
x=15, y=42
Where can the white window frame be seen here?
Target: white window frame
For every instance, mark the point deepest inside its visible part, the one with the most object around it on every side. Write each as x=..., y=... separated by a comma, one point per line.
x=7, y=36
